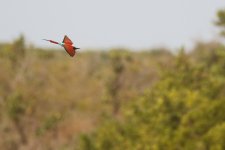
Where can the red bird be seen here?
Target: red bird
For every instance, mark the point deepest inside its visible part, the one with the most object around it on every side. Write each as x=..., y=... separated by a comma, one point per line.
x=67, y=44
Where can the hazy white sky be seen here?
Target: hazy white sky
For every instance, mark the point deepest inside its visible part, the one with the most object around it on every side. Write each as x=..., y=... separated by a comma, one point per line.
x=133, y=24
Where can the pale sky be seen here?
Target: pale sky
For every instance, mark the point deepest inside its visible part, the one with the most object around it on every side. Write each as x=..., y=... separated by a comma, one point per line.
x=135, y=24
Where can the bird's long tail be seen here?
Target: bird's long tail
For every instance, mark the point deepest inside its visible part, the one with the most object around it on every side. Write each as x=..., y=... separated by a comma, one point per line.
x=51, y=41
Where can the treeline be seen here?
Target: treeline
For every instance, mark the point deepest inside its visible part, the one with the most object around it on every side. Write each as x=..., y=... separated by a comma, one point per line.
x=47, y=99
x=112, y=100
x=185, y=109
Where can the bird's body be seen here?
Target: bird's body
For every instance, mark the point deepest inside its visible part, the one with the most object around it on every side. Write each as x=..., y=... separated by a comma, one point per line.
x=67, y=44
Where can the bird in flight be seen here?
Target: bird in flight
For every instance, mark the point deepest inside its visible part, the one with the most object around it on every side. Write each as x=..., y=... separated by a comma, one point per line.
x=67, y=44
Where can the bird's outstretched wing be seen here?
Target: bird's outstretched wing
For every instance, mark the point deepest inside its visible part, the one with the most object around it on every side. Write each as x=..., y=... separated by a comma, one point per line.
x=69, y=49
x=66, y=40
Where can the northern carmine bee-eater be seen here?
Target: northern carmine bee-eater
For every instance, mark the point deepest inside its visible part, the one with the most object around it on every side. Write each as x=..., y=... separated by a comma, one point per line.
x=67, y=44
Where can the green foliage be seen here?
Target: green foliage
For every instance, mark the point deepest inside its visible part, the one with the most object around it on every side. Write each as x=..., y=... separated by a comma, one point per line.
x=15, y=106
x=214, y=138
x=17, y=50
x=113, y=85
x=221, y=21
x=49, y=123
x=179, y=112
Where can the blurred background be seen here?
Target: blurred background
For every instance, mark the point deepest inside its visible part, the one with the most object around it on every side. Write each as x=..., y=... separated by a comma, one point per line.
x=150, y=75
